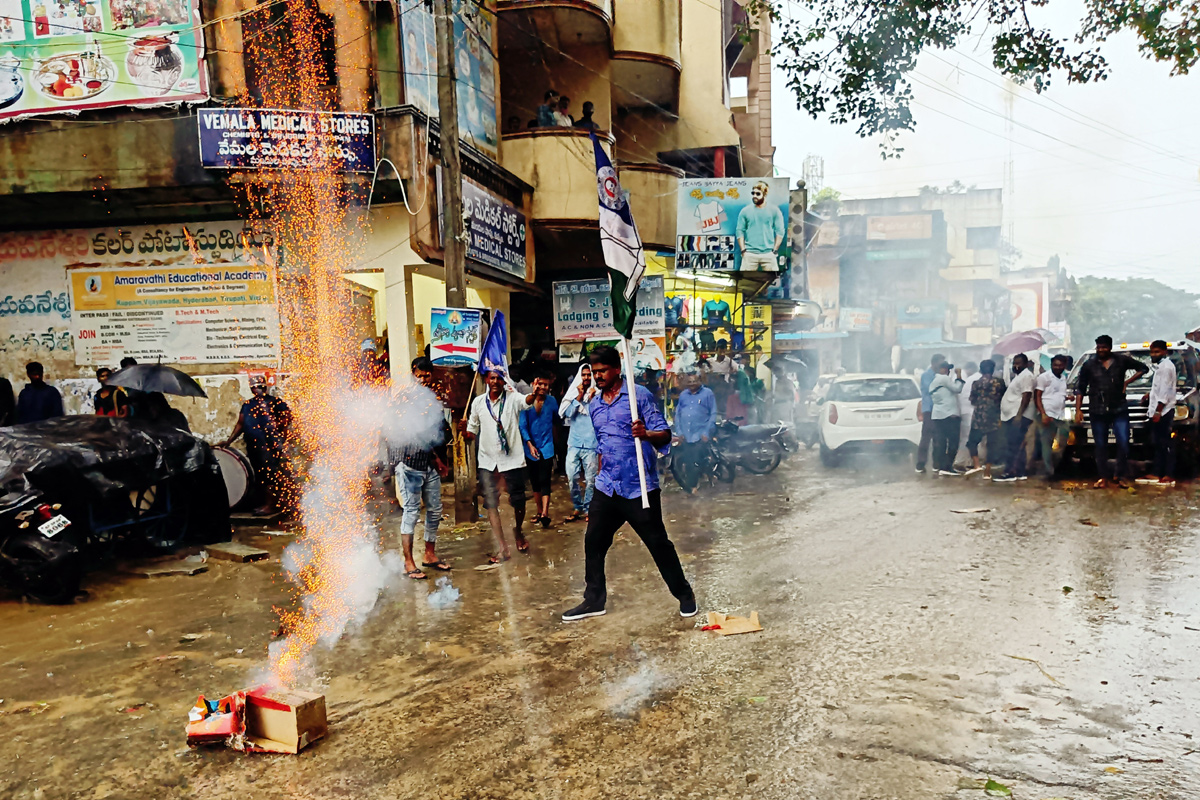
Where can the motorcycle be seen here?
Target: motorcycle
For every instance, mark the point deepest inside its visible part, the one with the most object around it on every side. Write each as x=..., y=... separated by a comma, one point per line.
x=754, y=448
x=39, y=554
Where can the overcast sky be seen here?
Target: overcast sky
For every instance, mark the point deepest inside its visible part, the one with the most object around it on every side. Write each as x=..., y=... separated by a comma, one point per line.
x=1106, y=175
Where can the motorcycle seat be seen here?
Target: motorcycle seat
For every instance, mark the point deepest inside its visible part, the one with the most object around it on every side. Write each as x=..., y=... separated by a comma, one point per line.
x=758, y=431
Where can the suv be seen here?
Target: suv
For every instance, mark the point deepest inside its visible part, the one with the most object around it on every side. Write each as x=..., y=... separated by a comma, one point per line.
x=1186, y=428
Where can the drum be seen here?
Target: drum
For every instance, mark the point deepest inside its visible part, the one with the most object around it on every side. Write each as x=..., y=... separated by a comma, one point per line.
x=238, y=475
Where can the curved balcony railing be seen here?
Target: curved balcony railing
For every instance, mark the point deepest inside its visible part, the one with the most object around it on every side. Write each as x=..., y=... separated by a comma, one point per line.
x=646, y=53
x=561, y=167
x=563, y=8
x=652, y=191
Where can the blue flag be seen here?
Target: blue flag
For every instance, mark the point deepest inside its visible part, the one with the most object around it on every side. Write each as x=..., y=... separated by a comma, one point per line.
x=494, y=356
x=619, y=239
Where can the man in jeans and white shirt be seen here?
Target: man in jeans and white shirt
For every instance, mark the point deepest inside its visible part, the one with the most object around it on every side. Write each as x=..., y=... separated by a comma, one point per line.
x=582, y=453
x=1051, y=425
x=1160, y=411
x=419, y=472
x=495, y=420
x=1016, y=414
x=966, y=412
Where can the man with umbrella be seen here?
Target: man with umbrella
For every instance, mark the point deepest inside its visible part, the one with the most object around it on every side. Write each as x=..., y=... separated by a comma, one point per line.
x=266, y=422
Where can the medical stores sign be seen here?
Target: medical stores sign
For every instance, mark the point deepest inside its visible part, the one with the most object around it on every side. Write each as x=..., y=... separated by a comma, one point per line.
x=265, y=138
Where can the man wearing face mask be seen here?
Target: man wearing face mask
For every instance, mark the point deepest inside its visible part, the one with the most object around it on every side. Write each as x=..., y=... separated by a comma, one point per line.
x=266, y=422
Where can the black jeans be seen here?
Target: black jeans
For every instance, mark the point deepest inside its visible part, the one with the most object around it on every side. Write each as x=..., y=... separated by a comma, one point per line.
x=605, y=516
x=926, y=439
x=995, y=448
x=1014, y=443
x=945, y=442
x=1164, y=445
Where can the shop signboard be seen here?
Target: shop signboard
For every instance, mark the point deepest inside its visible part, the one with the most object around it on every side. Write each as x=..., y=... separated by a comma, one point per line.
x=455, y=336
x=272, y=138
x=497, y=231
x=854, y=320
x=67, y=56
x=185, y=314
x=583, y=310
x=714, y=214
x=477, y=68
x=900, y=226
x=924, y=310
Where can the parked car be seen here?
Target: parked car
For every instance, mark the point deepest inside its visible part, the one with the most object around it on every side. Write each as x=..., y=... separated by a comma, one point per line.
x=869, y=413
x=1186, y=426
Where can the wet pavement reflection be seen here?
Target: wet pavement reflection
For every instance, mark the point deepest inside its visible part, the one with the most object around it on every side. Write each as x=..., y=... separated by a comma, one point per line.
x=1049, y=643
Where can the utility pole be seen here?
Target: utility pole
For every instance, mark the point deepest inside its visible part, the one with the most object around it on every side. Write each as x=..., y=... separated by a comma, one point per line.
x=454, y=246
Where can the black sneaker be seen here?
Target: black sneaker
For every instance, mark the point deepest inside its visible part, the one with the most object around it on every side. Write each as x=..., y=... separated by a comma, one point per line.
x=584, y=610
x=1005, y=478
x=687, y=608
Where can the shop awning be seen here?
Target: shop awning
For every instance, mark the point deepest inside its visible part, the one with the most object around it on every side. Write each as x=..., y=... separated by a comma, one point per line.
x=938, y=345
x=812, y=335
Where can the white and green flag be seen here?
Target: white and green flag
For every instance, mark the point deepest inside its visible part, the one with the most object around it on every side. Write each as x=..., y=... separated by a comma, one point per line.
x=623, y=253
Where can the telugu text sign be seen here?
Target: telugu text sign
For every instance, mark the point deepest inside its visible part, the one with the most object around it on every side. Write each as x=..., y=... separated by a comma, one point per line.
x=583, y=310
x=497, y=231
x=200, y=314
x=67, y=56
x=264, y=138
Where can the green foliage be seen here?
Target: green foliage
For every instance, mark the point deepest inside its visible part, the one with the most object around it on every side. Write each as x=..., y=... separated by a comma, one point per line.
x=825, y=202
x=1130, y=310
x=848, y=60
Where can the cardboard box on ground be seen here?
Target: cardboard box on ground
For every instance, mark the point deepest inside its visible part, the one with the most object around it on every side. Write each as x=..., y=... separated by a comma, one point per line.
x=261, y=720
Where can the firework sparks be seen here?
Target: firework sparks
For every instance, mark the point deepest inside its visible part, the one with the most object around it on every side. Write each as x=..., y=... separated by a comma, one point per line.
x=336, y=564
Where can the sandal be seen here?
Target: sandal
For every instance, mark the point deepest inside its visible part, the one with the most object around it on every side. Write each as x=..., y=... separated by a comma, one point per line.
x=1100, y=484
x=498, y=559
x=522, y=545
x=416, y=575
x=441, y=566
x=545, y=521
x=575, y=517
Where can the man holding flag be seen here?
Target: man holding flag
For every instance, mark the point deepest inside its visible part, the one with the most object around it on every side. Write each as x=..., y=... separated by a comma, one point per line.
x=494, y=420
x=625, y=418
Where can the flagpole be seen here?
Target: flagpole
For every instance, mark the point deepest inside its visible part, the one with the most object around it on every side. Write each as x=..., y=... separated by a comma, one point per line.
x=633, y=414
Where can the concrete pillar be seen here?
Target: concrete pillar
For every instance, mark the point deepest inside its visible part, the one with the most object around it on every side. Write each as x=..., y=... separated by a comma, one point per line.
x=399, y=293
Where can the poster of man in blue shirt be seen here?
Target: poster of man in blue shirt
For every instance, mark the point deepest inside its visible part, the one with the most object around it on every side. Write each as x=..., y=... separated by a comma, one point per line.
x=760, y=232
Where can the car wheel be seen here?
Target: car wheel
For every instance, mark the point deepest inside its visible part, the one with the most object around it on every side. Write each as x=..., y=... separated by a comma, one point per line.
x=829, y=458
x=48, y=572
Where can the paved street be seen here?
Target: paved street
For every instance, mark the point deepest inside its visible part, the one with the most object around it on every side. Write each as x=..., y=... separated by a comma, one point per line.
x=908, y=652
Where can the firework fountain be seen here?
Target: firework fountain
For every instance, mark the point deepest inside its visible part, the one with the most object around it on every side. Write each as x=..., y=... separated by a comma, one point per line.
x=318, y=218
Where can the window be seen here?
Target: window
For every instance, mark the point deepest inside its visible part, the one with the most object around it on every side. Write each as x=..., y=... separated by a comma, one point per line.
x=875, y=390
x=983, y=238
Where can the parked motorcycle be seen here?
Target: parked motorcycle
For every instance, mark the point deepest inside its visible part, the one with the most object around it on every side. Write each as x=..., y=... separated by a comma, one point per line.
x=39, y=553
x=754, y=448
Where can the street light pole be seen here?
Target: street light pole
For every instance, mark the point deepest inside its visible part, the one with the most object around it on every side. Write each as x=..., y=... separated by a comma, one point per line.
x=454, y=243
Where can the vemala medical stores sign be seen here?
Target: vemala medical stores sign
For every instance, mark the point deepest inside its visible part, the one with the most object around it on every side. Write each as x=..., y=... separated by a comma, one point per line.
x=264, y=138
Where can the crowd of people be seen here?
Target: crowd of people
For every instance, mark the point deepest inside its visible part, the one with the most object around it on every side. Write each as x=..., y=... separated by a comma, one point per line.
x=1008, y=425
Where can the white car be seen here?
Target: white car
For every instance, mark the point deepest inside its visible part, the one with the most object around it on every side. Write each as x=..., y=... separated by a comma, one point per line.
x=869, y=412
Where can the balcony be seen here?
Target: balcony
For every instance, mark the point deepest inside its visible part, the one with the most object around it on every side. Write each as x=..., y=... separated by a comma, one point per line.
x=646, y=54
x=561, y=167
x=557, y=23
x=652, y=189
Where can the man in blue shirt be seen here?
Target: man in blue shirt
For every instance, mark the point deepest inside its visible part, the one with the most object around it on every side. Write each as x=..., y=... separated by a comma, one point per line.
x=39, y=400
x=927, y=410
x=695, y=424
x=618, y=497
x=760, y=232
x=537, y=431
x=582, y=455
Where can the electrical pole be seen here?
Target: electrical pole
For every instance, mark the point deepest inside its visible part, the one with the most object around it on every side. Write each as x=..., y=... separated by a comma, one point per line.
x=454, y=246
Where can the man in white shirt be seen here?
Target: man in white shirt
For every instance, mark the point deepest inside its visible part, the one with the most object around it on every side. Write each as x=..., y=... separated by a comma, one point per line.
x=495, y=422
x=1160, y=411
x=1051, y=423
x=1016, y=414
x=966, y=412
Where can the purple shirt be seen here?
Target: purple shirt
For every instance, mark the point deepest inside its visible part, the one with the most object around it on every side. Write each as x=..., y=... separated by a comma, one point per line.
x=613, y=423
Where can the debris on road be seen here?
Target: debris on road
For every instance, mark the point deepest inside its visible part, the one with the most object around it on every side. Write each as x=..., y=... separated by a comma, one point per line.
x=971, y=510
x=164, y=569
x=1089, y=521
x=1067, y=590
x=996, y=789
x=259, y=720
x=236, y=551
x=728, y=625
x=1041, y=669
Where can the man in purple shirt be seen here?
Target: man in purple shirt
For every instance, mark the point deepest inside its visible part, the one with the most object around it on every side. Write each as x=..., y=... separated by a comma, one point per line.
x=618, y=496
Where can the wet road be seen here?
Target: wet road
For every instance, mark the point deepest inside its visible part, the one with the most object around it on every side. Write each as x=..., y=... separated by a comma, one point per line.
x=908, y=652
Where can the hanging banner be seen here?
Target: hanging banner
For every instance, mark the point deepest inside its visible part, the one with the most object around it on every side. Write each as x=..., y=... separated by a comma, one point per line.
x=271, y=138
x=732, y=225
x=67, y=56
x=475, y=60
x=455, y=336
x=194, y=314
x=582, y=310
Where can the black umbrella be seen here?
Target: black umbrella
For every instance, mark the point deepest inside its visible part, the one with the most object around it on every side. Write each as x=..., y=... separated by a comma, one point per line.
x=157, y=378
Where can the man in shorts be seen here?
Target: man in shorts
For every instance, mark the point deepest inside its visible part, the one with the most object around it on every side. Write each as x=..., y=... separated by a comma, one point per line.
x=537, y=431
x=494, y=421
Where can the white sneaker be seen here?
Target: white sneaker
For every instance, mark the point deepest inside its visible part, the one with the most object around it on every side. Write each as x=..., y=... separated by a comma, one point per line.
x=949, y=473
x=972, y=471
